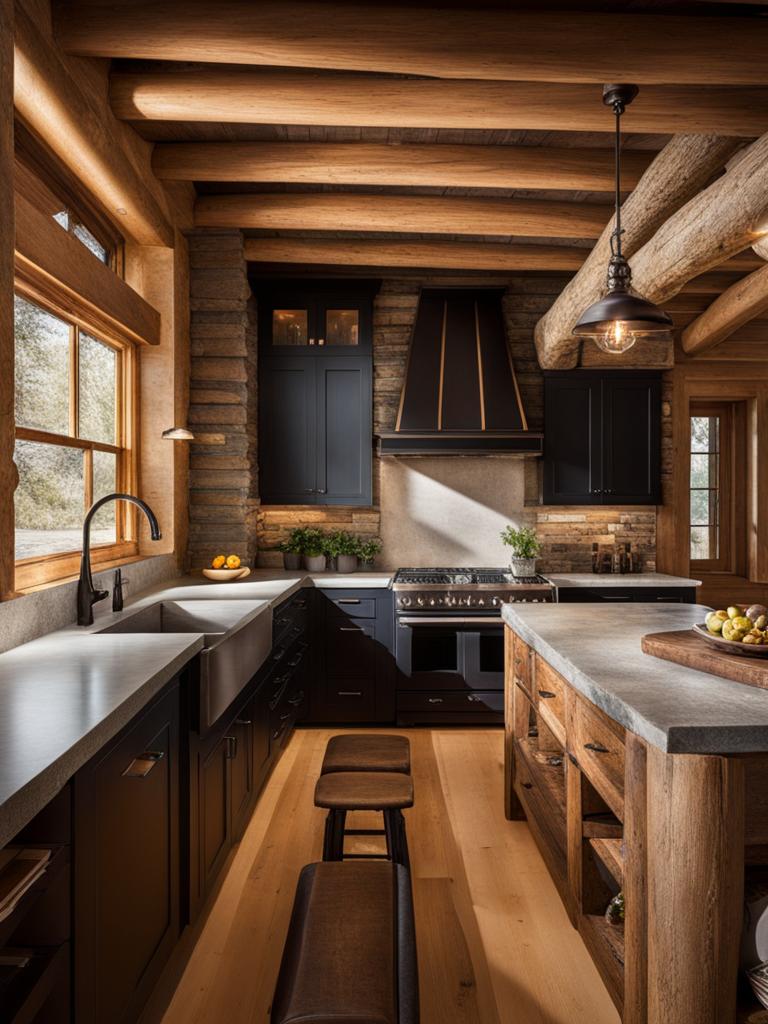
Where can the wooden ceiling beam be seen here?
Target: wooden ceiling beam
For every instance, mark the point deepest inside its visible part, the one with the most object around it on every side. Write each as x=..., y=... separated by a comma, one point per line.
x=350, y=100
x=744, y=301
x=425, y=255
x=513, y=45
x=455, y=215
x=55, y=107
x=679, y=172
x=369, y=163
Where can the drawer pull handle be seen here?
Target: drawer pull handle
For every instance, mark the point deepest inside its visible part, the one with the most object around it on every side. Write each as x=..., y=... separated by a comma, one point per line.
x=473, y=699
x=231, y=751
x=243, y=721
x=297, y=698
x=348, y=600
x=350, y=693
x=350, y=629
x=141, y=766
x=434, y=700
x=598, y=748
x=547, y=694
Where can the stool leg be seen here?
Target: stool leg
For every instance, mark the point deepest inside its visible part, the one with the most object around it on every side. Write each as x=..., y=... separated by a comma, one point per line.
x=402, y=840
x=340, y=822
x=328, y=837
x=390, y=833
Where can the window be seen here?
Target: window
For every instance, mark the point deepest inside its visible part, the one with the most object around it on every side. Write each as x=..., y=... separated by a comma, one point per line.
x=716, y=492
x=71, y=443
x=75, y=227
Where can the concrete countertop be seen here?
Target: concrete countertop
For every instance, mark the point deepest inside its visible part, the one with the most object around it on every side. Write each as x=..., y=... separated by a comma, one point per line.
x=67, y=694
x=639, y=579
x=596, y=648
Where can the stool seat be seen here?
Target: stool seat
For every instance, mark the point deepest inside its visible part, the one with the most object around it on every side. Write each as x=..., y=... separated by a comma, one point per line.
x=350, y=954
x=364, y=791
x=367, y=752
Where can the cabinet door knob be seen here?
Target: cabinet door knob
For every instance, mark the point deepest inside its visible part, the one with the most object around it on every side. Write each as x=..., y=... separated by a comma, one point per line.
x=434, y=700
x=598, y=748
x=141, y=766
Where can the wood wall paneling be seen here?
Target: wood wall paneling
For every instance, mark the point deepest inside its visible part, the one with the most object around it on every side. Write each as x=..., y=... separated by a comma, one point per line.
x=514, y=45
x=429, y=214
x=8, y=474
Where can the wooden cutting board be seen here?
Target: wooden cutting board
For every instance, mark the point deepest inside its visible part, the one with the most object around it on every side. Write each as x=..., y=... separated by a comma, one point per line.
x=685, y=648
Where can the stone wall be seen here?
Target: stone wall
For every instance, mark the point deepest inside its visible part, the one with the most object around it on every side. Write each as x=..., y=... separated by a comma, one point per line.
x=223, y=496
x=224, y=508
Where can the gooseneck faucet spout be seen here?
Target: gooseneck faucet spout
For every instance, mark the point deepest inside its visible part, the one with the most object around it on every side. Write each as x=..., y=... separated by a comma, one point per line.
x=87, y=595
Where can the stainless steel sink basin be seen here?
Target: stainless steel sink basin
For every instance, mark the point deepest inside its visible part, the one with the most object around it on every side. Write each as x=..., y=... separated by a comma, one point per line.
x=237, y=640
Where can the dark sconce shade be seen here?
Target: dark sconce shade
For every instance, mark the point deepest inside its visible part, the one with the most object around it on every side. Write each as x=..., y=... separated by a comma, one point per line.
x=178, y=434
x=621, y=317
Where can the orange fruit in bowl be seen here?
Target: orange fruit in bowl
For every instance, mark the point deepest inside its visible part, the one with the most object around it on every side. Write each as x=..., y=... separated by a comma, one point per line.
x=218, y=562
x=233, y=561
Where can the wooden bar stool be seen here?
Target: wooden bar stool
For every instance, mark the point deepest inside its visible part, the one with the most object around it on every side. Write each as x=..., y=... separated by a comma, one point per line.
x=387, y=792
x=367, y=752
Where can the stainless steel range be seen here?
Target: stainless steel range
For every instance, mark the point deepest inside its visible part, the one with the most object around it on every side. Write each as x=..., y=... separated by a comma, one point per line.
x=449, y=641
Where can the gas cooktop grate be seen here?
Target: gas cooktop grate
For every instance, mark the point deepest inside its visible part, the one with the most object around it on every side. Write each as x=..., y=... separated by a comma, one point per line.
x=464, y=577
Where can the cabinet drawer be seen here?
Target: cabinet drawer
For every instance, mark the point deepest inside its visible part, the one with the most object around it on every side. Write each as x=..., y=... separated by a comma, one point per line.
x=351, y=700
x=350, y=647
x=291, y=617
x=472, y=702
x=521, y=662
x=550, y=696
x=356, y=607
x=597, y=743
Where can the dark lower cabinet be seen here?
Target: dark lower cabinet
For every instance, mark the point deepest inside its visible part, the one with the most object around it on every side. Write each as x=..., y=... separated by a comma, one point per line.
x=211, y=784
x=626, y=595
x=127, y=865
x=602, y=438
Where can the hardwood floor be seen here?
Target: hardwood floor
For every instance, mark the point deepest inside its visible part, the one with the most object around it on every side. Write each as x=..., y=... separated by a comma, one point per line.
x=495, y=945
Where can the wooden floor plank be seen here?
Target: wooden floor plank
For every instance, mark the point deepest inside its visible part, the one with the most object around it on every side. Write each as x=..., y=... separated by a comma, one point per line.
x=495, y=945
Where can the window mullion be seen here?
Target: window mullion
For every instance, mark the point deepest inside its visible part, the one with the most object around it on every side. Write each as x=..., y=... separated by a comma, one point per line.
x=74, y=381
x=88, y=477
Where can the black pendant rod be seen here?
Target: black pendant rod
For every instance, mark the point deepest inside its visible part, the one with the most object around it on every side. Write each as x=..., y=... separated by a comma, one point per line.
x=618, y=109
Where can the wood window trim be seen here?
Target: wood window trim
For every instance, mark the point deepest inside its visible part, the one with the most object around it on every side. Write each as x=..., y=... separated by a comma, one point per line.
x=56, y=567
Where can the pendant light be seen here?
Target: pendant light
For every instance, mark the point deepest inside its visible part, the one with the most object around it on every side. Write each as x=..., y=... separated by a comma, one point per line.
x=621, y=317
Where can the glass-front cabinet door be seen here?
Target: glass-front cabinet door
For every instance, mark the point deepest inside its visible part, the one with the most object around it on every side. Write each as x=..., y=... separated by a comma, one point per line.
x=339, y=326
x=290, y=327
x=297, y=318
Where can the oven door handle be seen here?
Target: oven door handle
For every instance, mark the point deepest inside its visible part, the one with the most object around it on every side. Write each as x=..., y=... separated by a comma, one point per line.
x=450, y=620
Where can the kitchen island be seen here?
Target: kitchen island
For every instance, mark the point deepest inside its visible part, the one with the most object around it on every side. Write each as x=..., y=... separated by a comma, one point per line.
x=639, y=776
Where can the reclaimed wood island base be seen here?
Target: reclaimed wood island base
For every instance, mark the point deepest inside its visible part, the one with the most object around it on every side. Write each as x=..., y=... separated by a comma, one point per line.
x=613, y=809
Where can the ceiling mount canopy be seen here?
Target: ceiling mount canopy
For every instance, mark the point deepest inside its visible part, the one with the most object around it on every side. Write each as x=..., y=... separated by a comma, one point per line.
x=621, y=317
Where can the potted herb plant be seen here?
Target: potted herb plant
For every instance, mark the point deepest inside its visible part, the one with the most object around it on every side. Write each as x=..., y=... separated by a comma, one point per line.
x=291, y=548
x=330, y=542
x=313, y=548
x=524, y=547
x=367, y=550
x=346, y=551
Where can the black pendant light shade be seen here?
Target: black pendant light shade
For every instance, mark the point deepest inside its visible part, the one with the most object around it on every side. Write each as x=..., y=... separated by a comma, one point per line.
x=621, y=317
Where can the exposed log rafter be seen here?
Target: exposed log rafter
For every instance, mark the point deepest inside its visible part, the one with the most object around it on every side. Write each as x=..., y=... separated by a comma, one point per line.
x=738, y=305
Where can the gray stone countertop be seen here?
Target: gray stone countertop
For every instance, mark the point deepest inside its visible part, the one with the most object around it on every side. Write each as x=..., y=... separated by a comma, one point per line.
x=67, y=694
x=680, y=710
x=639, y=579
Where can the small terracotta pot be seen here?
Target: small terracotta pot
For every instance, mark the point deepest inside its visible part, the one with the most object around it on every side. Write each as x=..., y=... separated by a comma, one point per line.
x=346, y=563
x=314, y=563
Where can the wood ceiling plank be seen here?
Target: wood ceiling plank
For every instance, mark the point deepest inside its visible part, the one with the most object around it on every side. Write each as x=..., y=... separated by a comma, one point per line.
x=744, y=301
x=428, y=255
x=429, y=214
x=357, y=163
x=512, y=45
x=350, y=100
x=677, y=174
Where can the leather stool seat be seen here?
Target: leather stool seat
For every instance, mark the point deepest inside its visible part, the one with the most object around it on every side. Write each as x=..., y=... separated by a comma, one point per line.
x=367, y=752
x=364, y=791
x=350, y=954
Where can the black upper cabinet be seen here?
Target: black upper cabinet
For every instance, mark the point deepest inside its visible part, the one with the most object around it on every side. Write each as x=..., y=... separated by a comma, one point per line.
x=316, y=404
x=602, y=438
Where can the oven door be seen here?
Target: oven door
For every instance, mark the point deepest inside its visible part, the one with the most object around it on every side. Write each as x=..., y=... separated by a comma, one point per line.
x=450, y=652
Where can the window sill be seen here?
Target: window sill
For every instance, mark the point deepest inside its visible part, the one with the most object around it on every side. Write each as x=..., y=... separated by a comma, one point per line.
x=73, y=577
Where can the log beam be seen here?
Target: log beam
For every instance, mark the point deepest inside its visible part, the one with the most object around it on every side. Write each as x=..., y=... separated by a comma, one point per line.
x=742, y=302
x=426, y=255
x=429, y=214
x=682, y=168
x=362, y=163
x=511, y=45
x=53, y=105
x=305, y=97
x=8, y=474
x=728, y=216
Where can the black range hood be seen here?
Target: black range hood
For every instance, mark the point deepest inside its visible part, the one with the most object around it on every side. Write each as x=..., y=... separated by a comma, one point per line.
x=460, y=395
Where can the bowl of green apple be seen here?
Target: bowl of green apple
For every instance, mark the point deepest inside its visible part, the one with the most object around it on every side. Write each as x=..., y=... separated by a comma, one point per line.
x=739, y=629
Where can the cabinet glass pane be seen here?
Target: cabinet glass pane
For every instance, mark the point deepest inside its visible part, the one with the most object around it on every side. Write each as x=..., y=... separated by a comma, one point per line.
x=290, y=327
x=342, y=326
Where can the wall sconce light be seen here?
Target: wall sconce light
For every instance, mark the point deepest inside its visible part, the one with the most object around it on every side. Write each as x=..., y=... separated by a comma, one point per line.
x=178, y=434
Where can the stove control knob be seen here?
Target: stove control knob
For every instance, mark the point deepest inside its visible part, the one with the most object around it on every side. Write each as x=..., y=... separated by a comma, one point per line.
x=432, y=602
x=481, y=602
x=420, y=601
x=405, y=601
x=495, y=601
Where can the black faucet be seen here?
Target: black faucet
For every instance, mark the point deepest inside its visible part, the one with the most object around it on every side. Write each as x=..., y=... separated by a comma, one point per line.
x=87, y=596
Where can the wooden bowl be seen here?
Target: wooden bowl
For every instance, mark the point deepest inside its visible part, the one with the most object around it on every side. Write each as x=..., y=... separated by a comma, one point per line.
x=227, y=575
x=731, y=646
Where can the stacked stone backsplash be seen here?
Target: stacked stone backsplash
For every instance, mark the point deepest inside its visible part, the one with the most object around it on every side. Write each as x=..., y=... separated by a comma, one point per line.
x=225, y=511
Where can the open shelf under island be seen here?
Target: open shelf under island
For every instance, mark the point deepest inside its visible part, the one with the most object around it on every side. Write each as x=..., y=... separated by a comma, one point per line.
x=643, y=777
